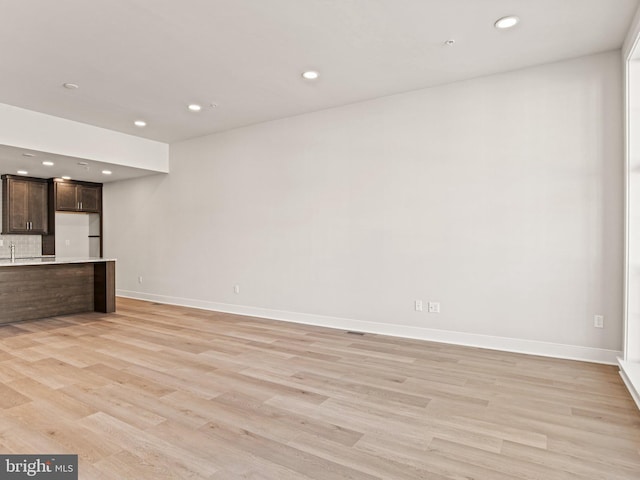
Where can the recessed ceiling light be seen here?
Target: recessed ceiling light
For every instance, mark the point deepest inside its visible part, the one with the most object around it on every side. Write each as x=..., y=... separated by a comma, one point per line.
x=47, y=163
x=194, y=107
x=507, y=22
x=66, y=177
x=28, y=155
x=140, y=123
x=310, y=75
x=71, y=86
x=106, y=172
x=22, y=172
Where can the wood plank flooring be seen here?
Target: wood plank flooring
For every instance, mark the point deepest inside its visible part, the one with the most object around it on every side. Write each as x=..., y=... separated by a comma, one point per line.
x=163, y=392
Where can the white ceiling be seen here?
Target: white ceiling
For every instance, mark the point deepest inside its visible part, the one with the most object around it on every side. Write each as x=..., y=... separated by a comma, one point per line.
x=13, y=159
x=148, y=59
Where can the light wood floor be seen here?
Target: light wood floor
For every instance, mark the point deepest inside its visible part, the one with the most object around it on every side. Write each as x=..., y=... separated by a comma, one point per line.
x=155, y=392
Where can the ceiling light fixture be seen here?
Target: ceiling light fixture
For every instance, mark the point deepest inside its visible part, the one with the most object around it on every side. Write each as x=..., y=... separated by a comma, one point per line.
x=194, y=107
x=47, y=163
x=106, y=172
x=140, y=123
x=449, y=43
x=28, y=155
x=507, y=22
x=310, y=75
x=71, y=86
x=22, y=172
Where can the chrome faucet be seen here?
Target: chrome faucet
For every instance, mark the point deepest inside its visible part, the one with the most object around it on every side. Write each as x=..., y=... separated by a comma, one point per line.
x=12, y=249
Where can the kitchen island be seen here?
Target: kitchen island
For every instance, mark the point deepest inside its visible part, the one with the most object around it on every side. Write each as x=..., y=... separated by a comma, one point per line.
x=43, y=287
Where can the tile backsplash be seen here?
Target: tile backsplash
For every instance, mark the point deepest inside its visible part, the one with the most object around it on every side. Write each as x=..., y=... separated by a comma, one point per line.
x=26, y=245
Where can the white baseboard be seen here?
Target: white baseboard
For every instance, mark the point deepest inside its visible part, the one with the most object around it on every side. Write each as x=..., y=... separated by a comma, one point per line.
x=531, y=347
x=630, y=373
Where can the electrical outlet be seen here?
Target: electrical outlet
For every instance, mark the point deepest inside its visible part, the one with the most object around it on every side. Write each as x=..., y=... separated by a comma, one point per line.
x=598, y=321
x=236, y=289
x=418, y=305
x=140, y=279
x=67, y=243
x=434, y=307
x=1, y=243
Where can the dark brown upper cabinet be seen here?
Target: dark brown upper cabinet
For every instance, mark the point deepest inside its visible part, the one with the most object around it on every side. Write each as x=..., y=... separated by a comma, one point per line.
x=73, y=196
x=24, y=205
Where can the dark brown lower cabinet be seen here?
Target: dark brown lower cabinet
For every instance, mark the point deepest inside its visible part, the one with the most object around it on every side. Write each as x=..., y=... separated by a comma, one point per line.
x=28, y=292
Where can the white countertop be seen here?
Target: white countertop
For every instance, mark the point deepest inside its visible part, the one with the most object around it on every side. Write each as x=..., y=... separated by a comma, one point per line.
x=6, y=262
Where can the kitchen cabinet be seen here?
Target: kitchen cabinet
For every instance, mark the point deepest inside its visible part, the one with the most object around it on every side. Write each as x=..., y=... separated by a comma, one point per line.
x=71, y=197
x=77, y=196
x=48, y=287
x=24, y=205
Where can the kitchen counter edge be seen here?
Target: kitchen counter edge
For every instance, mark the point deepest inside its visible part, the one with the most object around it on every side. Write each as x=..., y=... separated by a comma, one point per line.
x=21, y=262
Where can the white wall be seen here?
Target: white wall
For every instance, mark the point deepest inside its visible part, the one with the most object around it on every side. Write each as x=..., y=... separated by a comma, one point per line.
x=500, y=197
x=72, y=234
